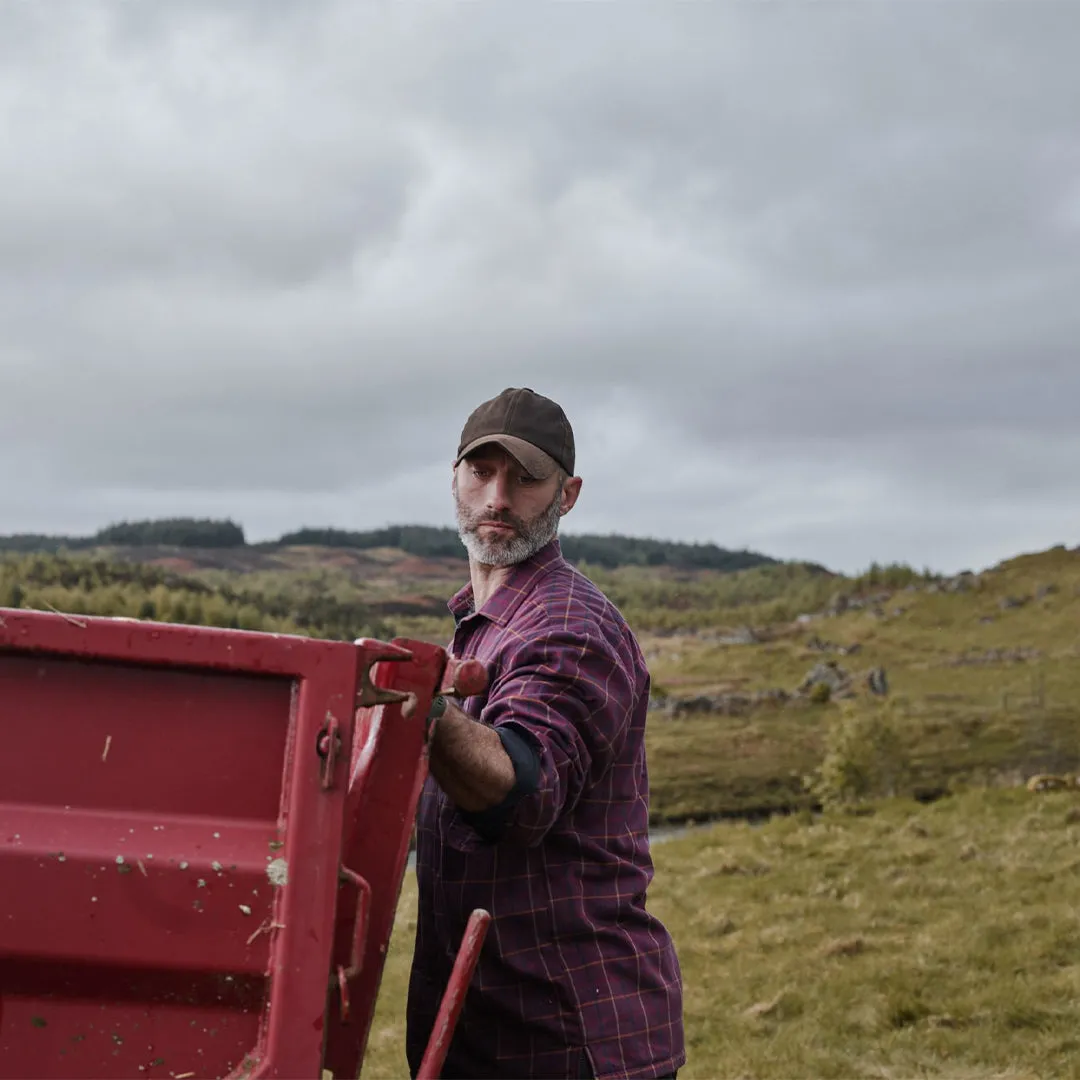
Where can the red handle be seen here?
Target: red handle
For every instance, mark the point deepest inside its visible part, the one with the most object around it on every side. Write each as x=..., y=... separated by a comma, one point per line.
x=359, y=937
x=454, y=997
x=464, y=678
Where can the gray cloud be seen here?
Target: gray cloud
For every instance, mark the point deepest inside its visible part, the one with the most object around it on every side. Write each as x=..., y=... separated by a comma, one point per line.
x=803, y=275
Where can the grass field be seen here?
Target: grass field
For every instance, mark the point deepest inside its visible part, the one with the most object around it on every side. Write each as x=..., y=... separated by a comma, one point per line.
x=907, y=941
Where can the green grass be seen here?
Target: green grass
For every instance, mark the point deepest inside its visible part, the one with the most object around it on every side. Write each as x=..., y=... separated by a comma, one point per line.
x=915, y=940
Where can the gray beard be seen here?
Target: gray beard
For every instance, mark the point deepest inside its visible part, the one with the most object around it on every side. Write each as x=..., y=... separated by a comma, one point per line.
x=530, y=537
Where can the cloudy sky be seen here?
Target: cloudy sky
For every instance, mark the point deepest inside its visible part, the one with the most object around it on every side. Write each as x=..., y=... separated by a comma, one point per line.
x=805, y=277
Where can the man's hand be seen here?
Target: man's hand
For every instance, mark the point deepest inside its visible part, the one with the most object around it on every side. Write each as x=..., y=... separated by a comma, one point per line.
x=468, y=761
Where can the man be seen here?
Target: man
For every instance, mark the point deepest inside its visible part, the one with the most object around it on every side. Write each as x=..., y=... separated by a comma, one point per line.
x=536, y=808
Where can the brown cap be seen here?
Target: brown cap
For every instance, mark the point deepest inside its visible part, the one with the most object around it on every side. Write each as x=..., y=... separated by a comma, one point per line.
x=532, y=428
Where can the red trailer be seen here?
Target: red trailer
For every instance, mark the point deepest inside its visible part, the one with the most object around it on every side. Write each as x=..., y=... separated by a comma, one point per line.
x=203, y=836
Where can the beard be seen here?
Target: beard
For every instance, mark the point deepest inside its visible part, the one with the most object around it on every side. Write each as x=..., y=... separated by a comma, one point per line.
x=527, y=539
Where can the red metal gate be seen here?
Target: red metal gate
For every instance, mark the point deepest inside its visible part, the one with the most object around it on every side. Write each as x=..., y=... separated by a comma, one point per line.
x=203, y=835
x=170, y=829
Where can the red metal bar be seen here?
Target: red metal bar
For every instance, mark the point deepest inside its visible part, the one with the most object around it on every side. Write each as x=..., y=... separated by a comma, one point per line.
x=389, y=769
x=454, y=997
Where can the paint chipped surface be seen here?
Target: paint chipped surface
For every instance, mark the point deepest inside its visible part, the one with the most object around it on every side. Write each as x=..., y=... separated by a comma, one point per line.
x=278, y=873
x=245, y=909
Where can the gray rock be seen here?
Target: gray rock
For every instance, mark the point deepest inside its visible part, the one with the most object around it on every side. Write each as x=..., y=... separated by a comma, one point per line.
x=839, y=603
x=965, y=581
x=731, y=704
x=828, y=673
x=877, y=682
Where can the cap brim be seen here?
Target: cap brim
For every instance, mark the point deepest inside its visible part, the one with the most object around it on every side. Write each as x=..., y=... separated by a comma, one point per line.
x=531, y=458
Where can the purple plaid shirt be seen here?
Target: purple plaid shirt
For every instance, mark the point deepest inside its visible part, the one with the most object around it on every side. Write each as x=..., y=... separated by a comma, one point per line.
x=576, y=977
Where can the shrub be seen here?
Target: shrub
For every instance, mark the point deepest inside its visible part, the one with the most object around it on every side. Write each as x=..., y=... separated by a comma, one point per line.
x=864, y=755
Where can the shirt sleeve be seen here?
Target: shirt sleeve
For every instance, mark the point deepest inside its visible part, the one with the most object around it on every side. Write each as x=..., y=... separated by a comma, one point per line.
x=570, y=694
x=525, y=758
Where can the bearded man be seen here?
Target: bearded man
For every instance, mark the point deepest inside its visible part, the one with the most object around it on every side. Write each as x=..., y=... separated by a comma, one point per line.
x=537, y=803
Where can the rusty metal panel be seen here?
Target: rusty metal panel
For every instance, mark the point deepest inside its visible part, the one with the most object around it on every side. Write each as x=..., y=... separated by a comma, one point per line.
x=171, y=810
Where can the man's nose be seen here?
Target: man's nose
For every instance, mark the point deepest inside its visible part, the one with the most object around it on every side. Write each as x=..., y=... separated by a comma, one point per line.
x=498, y=493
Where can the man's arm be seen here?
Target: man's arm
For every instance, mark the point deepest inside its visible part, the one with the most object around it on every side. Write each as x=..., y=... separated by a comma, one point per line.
x=558, y=715
x=469, y=761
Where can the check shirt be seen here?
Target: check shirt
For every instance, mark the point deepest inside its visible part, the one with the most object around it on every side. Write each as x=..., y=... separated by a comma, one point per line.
x=575, y=972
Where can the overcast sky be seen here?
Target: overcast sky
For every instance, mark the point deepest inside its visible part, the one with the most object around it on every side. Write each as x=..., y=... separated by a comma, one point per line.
x=805, y=277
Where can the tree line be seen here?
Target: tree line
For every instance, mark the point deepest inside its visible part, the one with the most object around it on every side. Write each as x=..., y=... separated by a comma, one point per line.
x=607, y=551
x=167, y=532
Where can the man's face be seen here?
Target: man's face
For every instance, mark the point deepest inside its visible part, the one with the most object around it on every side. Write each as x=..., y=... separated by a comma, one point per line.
x=504, y=514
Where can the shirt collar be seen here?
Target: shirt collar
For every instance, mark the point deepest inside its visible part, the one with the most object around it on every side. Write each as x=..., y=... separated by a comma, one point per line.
x=507, y=598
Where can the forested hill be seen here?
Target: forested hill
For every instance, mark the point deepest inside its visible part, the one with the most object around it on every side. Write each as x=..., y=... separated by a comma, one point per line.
x=422, y=541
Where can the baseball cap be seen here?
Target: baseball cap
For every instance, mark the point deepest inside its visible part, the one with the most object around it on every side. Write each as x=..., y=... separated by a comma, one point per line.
x=529, y=426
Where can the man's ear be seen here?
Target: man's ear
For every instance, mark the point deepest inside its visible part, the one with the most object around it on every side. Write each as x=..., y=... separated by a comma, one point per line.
x=570, y=492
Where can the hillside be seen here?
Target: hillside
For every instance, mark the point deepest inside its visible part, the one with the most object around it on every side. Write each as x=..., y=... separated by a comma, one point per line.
x=920, y=689
x=774, y=686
